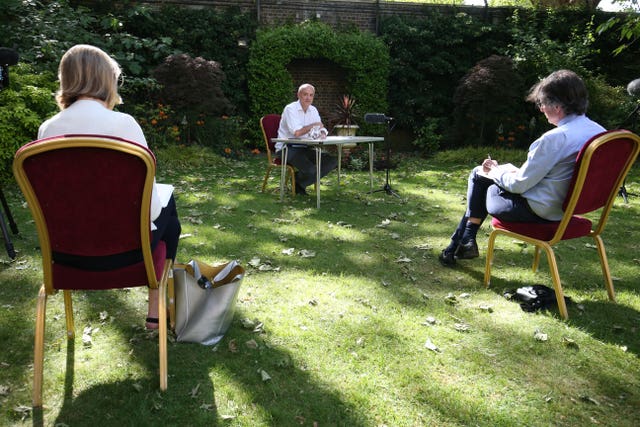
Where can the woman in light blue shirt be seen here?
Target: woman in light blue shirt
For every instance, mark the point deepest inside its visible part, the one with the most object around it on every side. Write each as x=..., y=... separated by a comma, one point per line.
x=535, y=191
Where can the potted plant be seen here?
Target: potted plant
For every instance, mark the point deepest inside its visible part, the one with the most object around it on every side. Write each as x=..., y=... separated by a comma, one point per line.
x=344, y=116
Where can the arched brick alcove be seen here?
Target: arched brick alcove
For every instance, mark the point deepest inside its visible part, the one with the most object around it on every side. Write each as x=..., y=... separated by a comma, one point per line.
x=328, y=78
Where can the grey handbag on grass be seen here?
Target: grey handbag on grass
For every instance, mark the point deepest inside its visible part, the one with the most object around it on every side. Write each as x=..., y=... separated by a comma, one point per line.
x=205, y=299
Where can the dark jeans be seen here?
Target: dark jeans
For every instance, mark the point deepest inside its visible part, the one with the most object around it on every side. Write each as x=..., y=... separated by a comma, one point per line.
x=484, y=198
x=304, y=160
x=168, y=229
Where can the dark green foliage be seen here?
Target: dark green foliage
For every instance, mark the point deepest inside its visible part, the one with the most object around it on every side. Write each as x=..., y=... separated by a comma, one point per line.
x=28, y=99
x=192, y=85
x=488, y=100
x=428, y=57
x=223, y=36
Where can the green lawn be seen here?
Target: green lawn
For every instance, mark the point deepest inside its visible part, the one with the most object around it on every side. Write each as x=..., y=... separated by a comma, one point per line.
x=358, y=324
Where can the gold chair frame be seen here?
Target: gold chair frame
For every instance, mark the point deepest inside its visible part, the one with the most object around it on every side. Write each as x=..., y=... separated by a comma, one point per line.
x=595, y=233
x=291, y=172
x=47, y=289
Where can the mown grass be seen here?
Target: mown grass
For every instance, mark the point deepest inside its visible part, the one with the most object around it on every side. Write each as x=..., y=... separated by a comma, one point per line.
x=344, y=333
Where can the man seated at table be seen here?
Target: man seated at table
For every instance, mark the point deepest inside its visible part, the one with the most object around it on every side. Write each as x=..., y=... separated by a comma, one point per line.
x=300, y=119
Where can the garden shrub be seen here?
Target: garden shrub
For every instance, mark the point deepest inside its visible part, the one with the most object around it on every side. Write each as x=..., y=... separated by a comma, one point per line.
x=429, y=55
x=223, y=35
x=27, y=100
x=488, y=107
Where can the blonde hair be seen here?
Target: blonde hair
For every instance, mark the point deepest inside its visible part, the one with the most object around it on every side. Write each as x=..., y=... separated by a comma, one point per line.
x=86, y=70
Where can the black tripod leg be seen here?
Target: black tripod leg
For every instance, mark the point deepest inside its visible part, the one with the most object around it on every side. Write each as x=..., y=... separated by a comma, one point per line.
x=7, y=240
x=5, y=206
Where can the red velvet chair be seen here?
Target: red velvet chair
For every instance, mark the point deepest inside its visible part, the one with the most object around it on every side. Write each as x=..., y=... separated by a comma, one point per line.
x=90, y=198
x=601, y=167
x=269, y=125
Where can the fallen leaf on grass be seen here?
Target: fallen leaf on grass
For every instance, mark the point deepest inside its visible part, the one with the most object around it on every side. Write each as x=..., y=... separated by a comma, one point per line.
x=540, y=336
x=462, y=327
x=486, y=308
x=430, y=320
x=252, y=344
x=305, y=253
x=384, y=223
x=195, y=391
x=429, y=345
x=4, y=390
x=233, y=346
x=589, y=399
x=451, y=299
x=569, y=343
x=403, y=259
x=288, y=251
x=23, y=412
x=423, y=246
x=264, y=375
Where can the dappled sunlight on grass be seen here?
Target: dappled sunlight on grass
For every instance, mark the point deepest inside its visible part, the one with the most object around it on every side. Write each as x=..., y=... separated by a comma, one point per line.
x=359, y=323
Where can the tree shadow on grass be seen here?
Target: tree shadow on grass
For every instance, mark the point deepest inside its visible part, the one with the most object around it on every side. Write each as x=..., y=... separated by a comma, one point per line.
x=203, y=386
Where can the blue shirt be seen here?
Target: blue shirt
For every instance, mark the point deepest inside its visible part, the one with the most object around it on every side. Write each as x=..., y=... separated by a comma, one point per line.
x=544, y=178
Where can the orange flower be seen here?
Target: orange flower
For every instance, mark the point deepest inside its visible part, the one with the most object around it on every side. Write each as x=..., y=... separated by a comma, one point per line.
x=501, y=138
x=255, y=151
x=154, y=122
x=227, y=150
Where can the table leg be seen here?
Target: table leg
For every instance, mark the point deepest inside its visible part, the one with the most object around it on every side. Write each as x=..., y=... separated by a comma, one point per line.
x=318, y=169
x=371, y=166
x=339, y=163
x=283, y=175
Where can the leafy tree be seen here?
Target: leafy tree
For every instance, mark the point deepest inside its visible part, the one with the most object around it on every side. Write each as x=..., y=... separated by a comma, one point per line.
x=488, y=100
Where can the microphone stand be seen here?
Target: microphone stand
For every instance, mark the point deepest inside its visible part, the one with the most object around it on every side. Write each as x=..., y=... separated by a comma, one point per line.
x=3, y=225
x=387, y=187
x=631, y=119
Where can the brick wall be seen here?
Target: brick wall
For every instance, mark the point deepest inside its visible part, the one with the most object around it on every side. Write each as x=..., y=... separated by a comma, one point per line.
x=364, y=14
x=326, y=76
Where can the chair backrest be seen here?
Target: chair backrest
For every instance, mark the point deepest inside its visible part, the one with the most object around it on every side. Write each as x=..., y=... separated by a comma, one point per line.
x=601, y=167
x=90, y=197
x=269, y=125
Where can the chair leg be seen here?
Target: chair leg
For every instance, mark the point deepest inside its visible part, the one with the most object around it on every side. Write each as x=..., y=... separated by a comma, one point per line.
x=266, y=178
x=292, y=174
x=557, y=285
x=68, y=314
x=162, y=323
x=536, y=259
x=605, y=268
x=489, y=260
x=38, y=352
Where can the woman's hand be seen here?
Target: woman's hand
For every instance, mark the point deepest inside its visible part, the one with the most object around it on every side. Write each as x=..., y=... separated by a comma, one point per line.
x=488, y=164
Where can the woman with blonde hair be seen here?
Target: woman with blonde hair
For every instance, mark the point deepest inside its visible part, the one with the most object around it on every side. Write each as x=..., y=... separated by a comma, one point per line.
x=88, y=93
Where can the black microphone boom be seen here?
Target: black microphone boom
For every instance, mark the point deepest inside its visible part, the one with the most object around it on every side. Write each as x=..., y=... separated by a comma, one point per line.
x=8, y=56
x=376, y=118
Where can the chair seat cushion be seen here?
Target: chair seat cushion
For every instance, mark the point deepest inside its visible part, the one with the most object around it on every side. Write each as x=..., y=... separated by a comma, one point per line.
x=578, y=227
x=130, y=276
